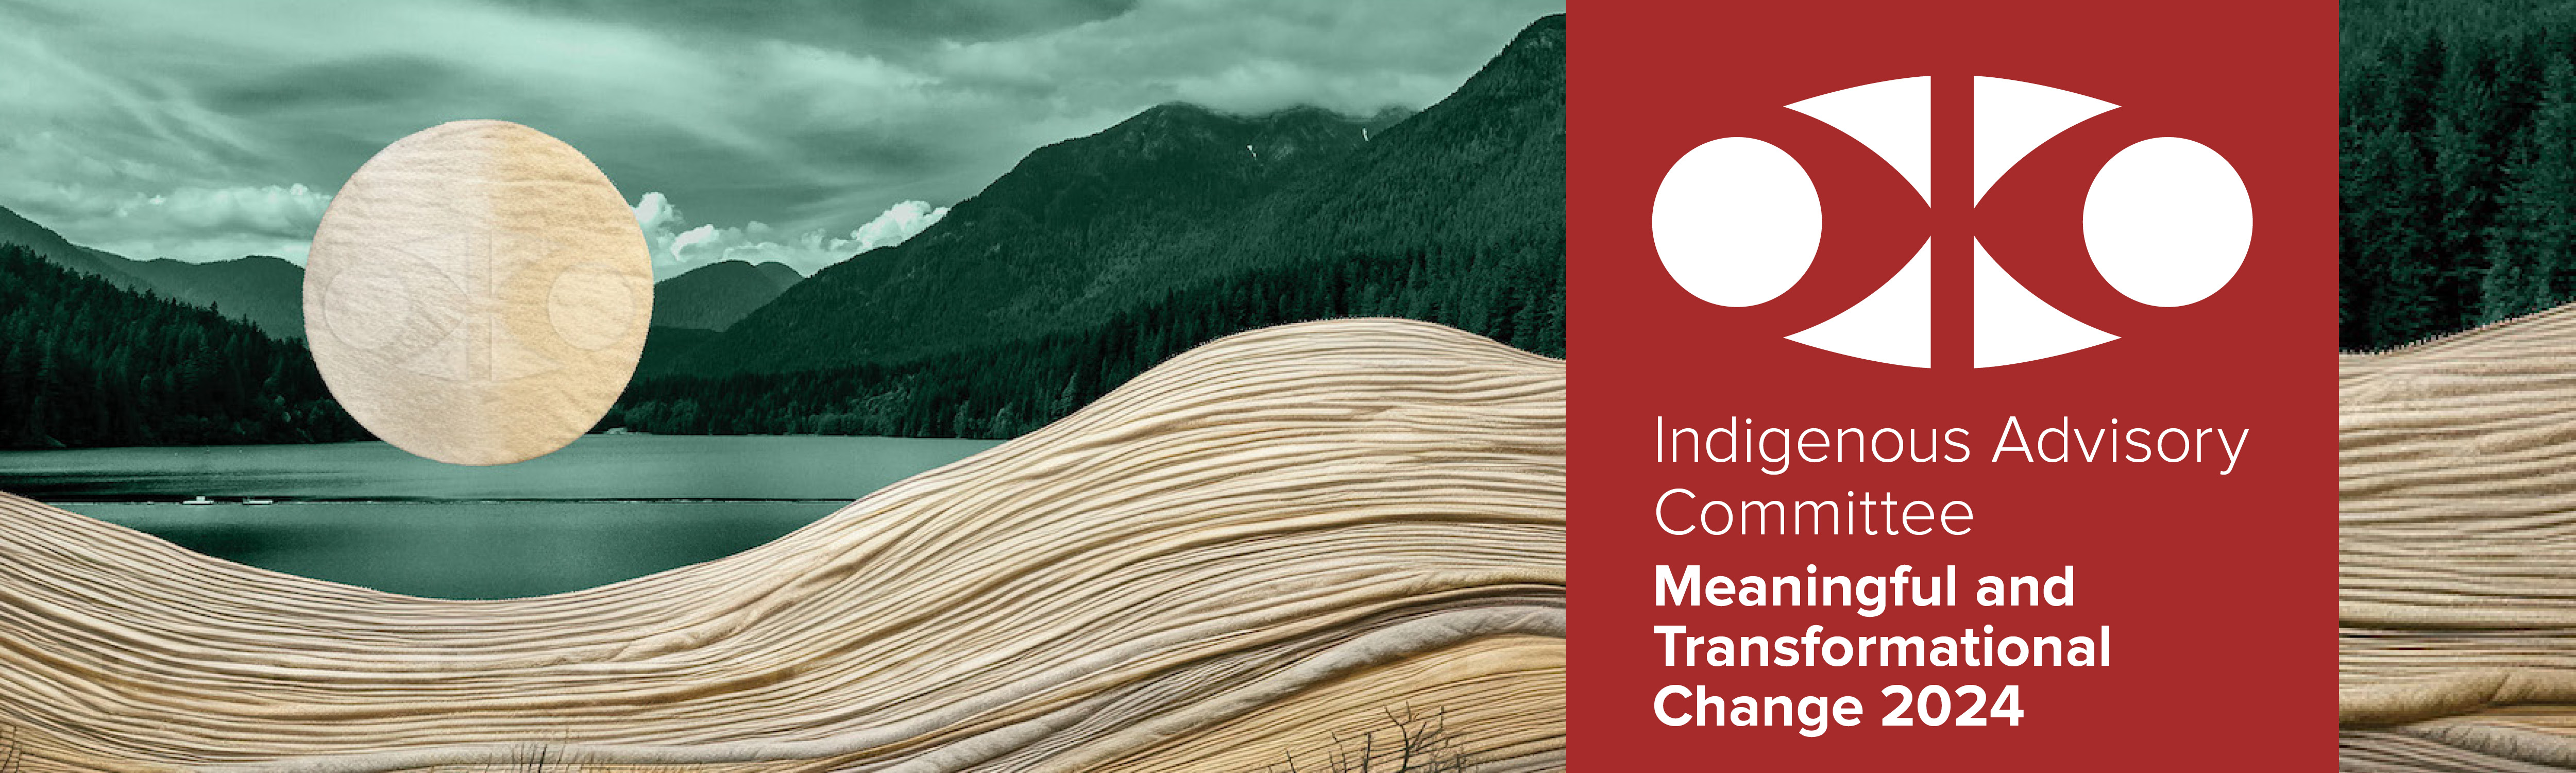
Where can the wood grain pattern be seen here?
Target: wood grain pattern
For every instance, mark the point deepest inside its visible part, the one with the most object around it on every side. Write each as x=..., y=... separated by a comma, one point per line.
x=1261, y=541
x=2458, y=542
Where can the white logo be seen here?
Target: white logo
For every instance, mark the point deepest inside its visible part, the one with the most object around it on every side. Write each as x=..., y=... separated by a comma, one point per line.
x=2167, y=222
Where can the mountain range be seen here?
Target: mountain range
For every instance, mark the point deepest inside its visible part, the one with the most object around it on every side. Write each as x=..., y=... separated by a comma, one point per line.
x=84, y=362
x=1181, y=195
x=1096, y=258
x=716, y=295
x=264, y=291
x=1087, y=263
x=268, y=292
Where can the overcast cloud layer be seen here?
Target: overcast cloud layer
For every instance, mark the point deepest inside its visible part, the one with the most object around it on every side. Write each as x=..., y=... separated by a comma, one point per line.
x=207, y=131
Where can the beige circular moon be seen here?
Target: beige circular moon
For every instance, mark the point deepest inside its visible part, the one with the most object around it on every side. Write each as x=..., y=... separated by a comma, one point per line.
x=478, y=293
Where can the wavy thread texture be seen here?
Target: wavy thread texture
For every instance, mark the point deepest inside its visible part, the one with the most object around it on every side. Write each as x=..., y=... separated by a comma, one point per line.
x=1262, y=541
x=2458, y=547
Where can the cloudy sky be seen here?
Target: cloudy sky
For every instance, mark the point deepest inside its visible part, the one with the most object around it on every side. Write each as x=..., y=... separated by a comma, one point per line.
x=207, y=131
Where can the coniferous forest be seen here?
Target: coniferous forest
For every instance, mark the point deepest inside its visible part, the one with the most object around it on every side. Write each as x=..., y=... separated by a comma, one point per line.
x=2458, y=147
x=1514, y=295
x=2458, y=207
x=2459, y=166
x=85, y=363
x=1093, y=260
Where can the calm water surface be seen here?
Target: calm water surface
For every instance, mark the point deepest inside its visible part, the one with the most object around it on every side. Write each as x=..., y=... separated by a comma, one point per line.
x=606, y=508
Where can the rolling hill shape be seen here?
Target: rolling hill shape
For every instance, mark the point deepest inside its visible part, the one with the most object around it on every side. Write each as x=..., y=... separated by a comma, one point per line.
x=84, y=362
x=1261, y=544
x=261, y=290
x=1180, y=196
x=714, y=296
x=2458, y=552
x=268, y=292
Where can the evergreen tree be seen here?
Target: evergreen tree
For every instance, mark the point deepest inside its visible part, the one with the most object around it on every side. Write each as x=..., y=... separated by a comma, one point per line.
x=86, y=363
x=2529, y=270
x=2458, y=198
x=1004, y=390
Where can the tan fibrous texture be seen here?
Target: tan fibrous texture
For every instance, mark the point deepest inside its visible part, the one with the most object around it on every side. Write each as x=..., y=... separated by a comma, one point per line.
x=478, y=293
x=2458, y=542
x=1261, y=543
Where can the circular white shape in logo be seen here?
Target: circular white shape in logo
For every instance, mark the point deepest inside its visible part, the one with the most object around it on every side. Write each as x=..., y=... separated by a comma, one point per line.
x=1737, y=221
x=2168, y=221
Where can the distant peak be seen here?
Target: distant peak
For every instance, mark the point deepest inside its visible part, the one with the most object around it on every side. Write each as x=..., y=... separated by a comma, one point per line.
x=1542, y=38
x=1287, y=116
x=728, y=265
x=1548, y=28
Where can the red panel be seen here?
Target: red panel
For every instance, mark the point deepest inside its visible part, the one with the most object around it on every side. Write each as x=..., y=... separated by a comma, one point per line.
x=2220, y=589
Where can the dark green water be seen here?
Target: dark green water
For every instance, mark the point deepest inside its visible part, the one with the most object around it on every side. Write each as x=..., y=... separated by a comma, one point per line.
x=604, y=509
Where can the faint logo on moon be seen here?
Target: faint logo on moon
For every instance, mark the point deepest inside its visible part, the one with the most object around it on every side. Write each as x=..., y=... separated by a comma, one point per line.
x=478, y=293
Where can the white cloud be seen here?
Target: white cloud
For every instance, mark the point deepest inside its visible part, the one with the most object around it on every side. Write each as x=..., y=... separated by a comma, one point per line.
x=900, y=222
x=691, y=238
x=189, y=223
x=678, y=249
x=654, y=212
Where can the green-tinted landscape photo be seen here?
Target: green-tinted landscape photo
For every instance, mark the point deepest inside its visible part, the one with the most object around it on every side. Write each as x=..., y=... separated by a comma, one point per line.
x=2458, y=263
x=1053, y=385
x=2459, y=166
x=1085, y=262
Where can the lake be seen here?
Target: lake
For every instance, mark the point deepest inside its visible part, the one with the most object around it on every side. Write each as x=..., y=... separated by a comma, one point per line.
x=603, y=509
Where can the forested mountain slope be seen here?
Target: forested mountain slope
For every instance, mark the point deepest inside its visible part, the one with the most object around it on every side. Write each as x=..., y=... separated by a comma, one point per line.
x=1180, y=197
x=262, y=290
x=86, y=363
x=716, y=295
